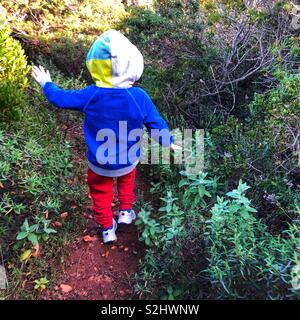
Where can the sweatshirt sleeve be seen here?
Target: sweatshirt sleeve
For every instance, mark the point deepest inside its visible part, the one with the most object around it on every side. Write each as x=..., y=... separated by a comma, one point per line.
x=155, y=124
x=66, y=99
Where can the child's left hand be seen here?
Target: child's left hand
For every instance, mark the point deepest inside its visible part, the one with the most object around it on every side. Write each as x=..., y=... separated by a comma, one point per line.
x=40, y=75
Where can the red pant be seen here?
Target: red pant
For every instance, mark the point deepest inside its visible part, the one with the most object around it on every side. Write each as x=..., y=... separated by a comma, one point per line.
x=101, y=191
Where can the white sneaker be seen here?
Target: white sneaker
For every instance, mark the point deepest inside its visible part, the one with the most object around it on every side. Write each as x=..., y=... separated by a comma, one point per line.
x=126, y=216
x=110, y=234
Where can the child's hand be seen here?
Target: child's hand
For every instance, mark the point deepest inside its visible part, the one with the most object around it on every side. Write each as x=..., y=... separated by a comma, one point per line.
x=175, y=147
x=40, y=75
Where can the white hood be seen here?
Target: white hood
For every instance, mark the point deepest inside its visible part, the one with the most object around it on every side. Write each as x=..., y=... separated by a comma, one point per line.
x=114, y=62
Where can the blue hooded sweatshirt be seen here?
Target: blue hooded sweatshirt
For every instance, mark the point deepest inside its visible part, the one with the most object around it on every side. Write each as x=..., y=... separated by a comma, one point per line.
x=115, y=111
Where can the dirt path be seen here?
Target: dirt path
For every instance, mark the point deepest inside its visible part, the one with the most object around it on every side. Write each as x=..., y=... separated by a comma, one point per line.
x=93, y=270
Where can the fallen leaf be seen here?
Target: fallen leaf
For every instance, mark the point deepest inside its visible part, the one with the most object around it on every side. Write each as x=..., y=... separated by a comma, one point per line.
x=113, y=248
x=102, y=279
x=25, y=255
x=105, y=254
x=24, y=284
x=64, y=215
x=37, y=250
x=65, y=288
x=57, y=224
x=1, y=185
x=88, y=238
x=46, y=214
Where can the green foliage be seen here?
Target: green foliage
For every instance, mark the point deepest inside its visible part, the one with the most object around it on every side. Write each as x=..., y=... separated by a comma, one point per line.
x=12, y=100
x=35, y=232
x=150, y=228
x=200, y=189
x=63, y=30
x=166, y=37
x=172, y=294
x=41, y=284
x=74, y=18
x=12, y=60
x=39, y=184
x=225, y=248
x=243, y=256
x=216, y=11
x=13, y=80
x=166, y=228
x=227, y=253
x=37, y=181
x=263, y=150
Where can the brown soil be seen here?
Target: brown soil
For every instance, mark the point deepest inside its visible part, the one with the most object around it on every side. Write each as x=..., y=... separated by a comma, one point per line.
x=96, y=271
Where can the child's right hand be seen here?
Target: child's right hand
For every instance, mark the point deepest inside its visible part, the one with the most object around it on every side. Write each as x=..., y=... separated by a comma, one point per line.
x=40, y=75
x=174, y=147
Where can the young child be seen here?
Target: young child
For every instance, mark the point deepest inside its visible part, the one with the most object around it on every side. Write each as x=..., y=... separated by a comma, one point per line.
x=115, y=114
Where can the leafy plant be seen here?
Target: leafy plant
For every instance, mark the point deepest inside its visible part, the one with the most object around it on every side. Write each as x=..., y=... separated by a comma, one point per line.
x=199, y=189
x=41, y=284
x=172, y=294
x=150, y=228
x=227, y=253
x=35, y=232
x=13, y=71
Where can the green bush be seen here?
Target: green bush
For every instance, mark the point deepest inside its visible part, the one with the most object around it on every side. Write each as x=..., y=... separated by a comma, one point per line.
x=13, y=75
x=263, y=150
x=13, y=61
x=245, y=261
x=12, y=99
x=214, y=247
